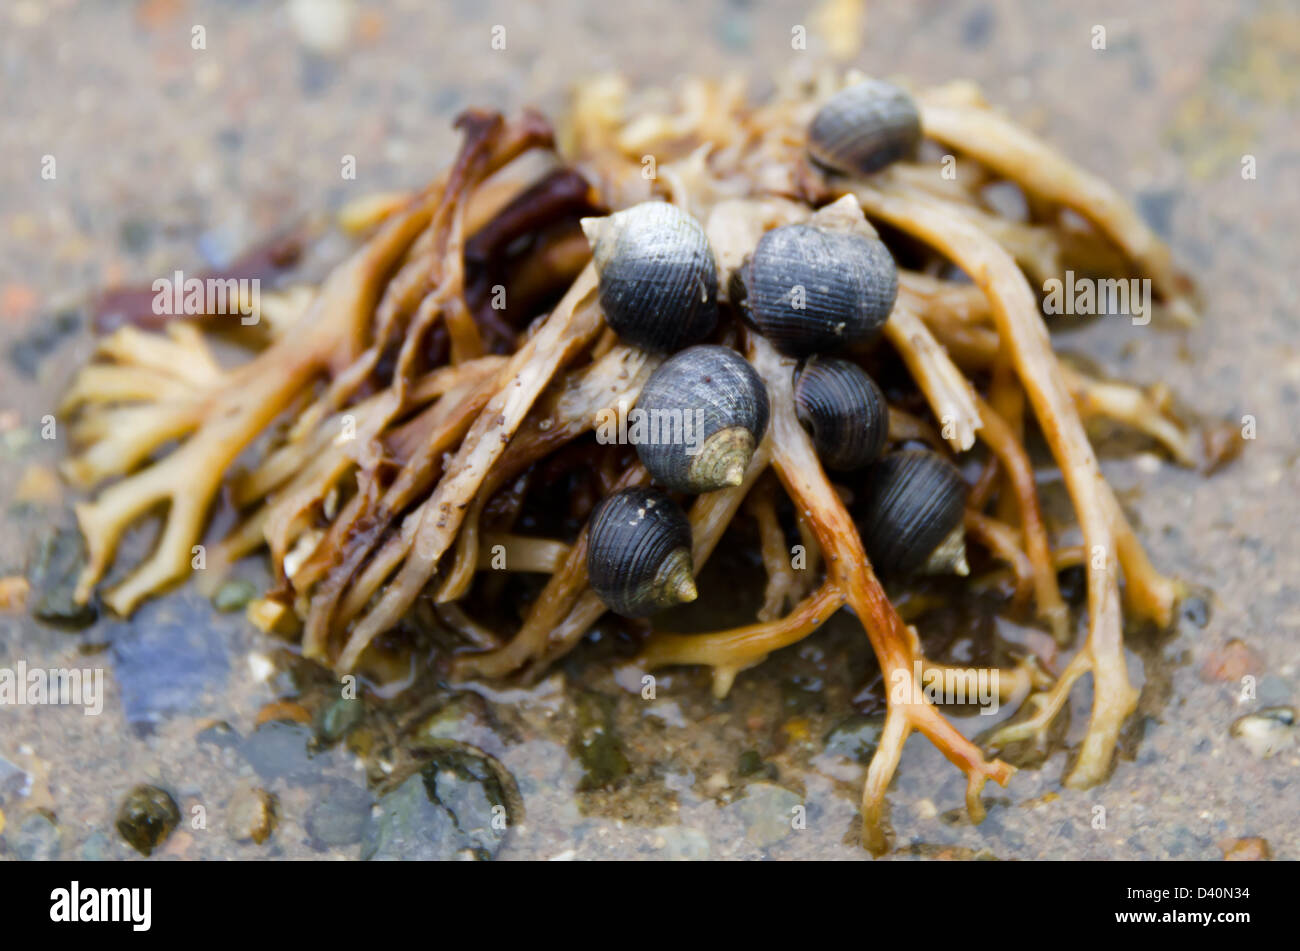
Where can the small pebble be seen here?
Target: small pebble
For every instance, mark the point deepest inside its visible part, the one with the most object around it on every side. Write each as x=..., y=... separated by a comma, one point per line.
x=322, y=26
x=278, y=749
x=339, y=818
x=36, y=840
x=13, y=593
x=252, y=815
x=168, y=659
x=1267, y=732
x=856, y=738
x=1006, y=199
x=260, y=667
x=455, y=808
x=767, y=811
x=1230, y=662
x=38, y=485
x=234, y=595
x=1254, y=849
x=338, y=719
x=147, y=817
x=53, y=572
x=1148, y=463
x=925, y=809
x=1197, y=611
x=750, y=763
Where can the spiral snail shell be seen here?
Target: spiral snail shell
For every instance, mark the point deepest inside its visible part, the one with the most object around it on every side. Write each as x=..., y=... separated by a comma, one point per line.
x=912, y=512
x=639, y=552
x=658, y=277
x=843, y=410
x=865, y=127
x=704, y=411
x=810, y=289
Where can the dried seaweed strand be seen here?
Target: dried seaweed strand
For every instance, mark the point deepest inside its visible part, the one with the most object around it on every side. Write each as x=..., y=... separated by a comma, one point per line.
x=1020, y=327
x=795, y=462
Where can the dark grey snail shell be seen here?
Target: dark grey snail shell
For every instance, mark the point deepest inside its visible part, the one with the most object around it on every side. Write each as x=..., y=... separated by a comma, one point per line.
x=912, y=511
x=639, y=552
x=658, y=276
x=812, y=290
x=864, y=128
x=843, y=409
x=701, y=415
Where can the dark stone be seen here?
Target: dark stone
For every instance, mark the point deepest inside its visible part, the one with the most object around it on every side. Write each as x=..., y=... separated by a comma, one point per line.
x=338, y=818
x=36, y=840
x=147, y=817
x=454, y=808
x=52, y=572
x=167, y=658
x=337, y=720
x=856, y=738
x=1197, y=611
x=767, y=812
x=277, y=749
x=750, y=763
x=221, y=735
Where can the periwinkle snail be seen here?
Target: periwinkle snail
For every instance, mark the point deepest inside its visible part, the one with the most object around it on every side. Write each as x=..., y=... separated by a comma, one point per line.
x=811, y=289
x=639, y=552
x=911, y=514
x=658, y=276
x=864, y=128
x=704, y=411
x=843, y=410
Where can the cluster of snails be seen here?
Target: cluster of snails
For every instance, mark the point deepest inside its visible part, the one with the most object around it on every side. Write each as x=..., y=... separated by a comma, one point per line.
x=811, y=291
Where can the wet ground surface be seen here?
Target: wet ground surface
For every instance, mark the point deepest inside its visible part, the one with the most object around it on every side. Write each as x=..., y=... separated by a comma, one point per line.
x=169, y=157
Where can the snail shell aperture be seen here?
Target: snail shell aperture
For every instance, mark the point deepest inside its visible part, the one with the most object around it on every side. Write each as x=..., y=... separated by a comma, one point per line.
x=639, y=552
x=843, y=409
x=864, y=128
x=704, y=411
x=912, y=512
x=810, y=289
x=658, y=276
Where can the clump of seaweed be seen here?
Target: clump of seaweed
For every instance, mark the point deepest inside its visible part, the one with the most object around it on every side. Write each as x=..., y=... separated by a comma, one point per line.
x=402, y=421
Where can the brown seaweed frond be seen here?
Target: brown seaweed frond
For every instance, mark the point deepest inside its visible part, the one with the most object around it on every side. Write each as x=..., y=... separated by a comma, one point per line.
x=1016, y=313
x=229, y=416
x=957, y=116
x=417, y=416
